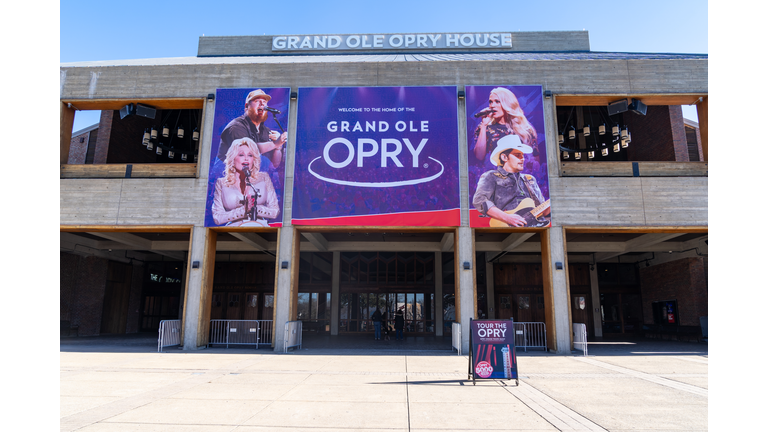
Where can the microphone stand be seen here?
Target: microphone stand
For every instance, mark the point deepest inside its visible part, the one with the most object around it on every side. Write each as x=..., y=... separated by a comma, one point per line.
x=256, y=193
x=282, y=149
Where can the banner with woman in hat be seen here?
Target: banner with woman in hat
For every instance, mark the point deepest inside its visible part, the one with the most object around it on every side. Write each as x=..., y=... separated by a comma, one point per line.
x=508, y=181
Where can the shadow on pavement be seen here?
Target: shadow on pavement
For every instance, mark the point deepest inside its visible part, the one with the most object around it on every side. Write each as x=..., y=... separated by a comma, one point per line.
x=324, y=344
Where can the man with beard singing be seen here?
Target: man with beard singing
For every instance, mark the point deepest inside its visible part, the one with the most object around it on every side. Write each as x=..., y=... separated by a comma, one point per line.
x=251, y=125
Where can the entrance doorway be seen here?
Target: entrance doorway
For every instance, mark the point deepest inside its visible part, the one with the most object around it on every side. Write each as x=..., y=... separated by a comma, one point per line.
x=418, y=310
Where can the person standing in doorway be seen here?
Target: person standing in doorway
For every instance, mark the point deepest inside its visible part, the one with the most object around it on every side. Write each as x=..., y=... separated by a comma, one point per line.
x=376, y=317
x=385, y=324
x=399, y=324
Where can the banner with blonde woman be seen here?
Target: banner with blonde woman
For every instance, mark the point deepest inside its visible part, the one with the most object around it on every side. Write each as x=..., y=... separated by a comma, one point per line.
x=247, y=167
x=507, y=157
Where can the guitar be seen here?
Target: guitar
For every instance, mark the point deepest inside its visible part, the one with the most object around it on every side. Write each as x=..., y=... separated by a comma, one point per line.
x=527, y=211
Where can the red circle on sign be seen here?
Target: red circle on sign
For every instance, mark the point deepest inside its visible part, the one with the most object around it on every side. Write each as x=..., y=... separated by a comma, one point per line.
x=483, y=369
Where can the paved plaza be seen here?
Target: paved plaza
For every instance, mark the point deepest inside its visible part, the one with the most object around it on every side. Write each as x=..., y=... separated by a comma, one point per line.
x=124, y=384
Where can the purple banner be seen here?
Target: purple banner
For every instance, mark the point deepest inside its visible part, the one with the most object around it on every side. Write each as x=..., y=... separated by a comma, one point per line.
x=247, y=168
x=507, y=157
x=383, y=156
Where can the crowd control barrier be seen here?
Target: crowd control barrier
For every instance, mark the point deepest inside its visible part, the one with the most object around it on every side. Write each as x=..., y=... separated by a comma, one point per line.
x=580, y=337
x=240, y=332
x=456, y=337
x=293, y=331
x=530, y=335
x=168, y=334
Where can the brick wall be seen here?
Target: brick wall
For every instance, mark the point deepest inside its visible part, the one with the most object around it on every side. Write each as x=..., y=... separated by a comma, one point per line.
x=83, y=280
x=657, y=136
x=102, y=142
x=684, y=280
x=125, y=140
x=77, y=149
x=82, y=286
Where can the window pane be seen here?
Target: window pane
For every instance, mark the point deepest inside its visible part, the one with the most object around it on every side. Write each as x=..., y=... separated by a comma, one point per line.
x=303, y=306
x=419, y=306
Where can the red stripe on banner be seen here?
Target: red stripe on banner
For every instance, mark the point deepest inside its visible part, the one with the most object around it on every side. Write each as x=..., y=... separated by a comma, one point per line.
x=428, y=218
x=477, y=220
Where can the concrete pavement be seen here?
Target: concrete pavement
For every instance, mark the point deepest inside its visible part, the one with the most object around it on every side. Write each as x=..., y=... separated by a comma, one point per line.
x=119, y=385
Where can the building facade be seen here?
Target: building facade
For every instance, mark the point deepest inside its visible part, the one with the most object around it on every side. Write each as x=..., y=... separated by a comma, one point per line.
x=623, y=250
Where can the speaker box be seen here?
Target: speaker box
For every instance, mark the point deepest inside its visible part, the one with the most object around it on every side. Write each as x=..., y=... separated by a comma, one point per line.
x=127, y=110
x=638, y=107
x=145, y=111
x=617, y=107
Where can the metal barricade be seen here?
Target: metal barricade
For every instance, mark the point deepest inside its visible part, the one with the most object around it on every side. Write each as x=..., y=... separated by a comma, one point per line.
x=240, y=332
x=293, y=331
x=168, y=334
x=456, y=337
x=531, y=335
x=580, y=337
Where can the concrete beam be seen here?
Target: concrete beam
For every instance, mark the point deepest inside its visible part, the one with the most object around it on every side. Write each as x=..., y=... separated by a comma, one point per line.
x=514, y=240
x=317, y=240
x=139, y=243
x=638, y=244
x=252, y=239
x=446, y=243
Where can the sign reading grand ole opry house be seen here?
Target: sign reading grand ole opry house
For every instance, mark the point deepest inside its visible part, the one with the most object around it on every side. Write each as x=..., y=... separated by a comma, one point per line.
x=392, y=41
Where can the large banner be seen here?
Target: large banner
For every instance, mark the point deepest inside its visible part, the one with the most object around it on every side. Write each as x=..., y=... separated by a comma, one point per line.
x=246, y=176
x=507, y=154
x=377, y=156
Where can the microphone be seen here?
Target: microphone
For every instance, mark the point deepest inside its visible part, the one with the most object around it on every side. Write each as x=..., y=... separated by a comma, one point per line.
x=483, y=113
x=272, y=110
x=246, y=170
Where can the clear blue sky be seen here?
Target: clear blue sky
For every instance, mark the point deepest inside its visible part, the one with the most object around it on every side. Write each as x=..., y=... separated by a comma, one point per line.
x=153, y=29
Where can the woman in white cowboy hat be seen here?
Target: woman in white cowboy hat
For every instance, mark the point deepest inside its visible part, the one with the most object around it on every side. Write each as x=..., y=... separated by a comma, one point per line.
x=502, y=190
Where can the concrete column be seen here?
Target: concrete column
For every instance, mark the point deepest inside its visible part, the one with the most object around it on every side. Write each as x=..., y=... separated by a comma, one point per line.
x=286, y=284
x=199, y=288
x=206, y=140
x=438, y=293
x=556, y=291
x=466, y=295
x=335, y=295
x=490, y=290
x=596, y=315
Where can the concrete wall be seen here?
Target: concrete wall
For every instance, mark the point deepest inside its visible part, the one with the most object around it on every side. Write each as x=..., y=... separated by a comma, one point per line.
x=575, y=201
x=641, y=76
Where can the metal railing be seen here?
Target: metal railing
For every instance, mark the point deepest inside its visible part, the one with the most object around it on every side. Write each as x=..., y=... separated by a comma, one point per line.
x=580, y=337
x=240, y=332
x=531, y=335
x=456, y=337
x=168, y=334
x=292, y=334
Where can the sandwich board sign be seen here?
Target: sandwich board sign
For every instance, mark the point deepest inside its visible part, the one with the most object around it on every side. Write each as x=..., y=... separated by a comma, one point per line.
x=492, y=354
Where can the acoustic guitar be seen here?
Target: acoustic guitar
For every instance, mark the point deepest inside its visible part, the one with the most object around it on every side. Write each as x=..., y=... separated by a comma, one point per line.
x=528, y=210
